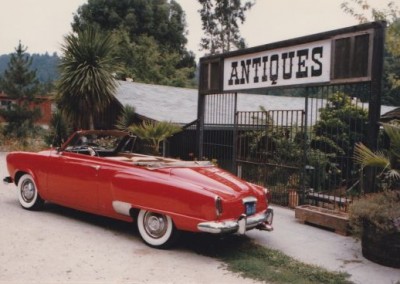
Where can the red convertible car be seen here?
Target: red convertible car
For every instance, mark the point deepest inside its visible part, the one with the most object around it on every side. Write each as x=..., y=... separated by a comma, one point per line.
x=97, y=172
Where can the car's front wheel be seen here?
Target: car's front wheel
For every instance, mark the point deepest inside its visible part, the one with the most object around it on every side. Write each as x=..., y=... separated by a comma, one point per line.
x=28, y=194
x=157, y=230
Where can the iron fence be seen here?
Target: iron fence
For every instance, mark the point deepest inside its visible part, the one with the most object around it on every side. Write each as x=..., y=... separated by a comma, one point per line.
x=303, y=156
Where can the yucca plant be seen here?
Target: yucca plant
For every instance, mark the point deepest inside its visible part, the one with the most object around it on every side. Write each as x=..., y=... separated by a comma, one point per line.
x=87, y=85
x=155, y=132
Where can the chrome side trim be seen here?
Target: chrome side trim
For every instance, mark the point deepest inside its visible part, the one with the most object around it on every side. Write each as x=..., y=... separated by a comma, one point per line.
x=122, y=207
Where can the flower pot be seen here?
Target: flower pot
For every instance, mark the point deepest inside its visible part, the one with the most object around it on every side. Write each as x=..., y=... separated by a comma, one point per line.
x=380, y=247
x=293, y=198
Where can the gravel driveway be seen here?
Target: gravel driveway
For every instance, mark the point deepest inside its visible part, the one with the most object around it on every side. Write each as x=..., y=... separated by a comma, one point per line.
x=58, y=245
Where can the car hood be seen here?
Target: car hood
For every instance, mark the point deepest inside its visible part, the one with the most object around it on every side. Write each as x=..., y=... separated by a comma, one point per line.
x=212, y=179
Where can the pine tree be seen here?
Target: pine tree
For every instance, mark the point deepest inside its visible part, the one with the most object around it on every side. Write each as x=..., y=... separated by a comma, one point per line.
x=21, y=85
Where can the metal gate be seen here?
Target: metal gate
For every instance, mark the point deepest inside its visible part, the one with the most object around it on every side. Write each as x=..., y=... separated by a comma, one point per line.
x=303, y=156
x=270, y=151
x=217, y=130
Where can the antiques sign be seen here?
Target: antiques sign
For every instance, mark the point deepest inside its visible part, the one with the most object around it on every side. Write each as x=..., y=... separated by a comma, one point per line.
x=295, y=65
x=336, y=57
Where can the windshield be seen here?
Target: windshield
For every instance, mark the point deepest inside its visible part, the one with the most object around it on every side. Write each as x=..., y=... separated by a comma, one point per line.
x=100, y=141
x=94, y=140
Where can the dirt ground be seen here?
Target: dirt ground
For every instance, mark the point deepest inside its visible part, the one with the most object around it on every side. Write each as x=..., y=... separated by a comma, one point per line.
x=58, y=245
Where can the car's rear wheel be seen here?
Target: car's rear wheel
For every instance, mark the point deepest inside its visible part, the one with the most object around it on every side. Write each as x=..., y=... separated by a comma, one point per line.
x=156, y=230
x=28, y=194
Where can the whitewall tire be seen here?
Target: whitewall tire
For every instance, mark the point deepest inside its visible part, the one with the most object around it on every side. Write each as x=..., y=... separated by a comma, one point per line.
x=156, y=230
x=28, y=194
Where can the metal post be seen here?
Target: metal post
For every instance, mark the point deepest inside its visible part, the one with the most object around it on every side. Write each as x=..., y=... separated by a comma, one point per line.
x=235, y=137
x=374, y=111
x=200, y=126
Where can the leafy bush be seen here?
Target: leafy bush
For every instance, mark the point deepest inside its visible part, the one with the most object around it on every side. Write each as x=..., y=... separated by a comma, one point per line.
x=380, y=209
x=341, y=125
x=31, y=143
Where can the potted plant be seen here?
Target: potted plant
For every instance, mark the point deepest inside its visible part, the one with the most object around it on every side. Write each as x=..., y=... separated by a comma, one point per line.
x=375, y=218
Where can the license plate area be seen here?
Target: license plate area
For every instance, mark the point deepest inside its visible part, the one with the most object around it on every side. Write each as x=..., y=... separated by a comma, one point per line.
x=250, y=208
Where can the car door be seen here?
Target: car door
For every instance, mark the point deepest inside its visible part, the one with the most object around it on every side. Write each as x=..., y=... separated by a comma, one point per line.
x=72, y=180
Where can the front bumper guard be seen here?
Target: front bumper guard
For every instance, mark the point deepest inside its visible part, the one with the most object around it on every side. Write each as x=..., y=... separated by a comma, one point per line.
x=7, y=180
x=261, y=221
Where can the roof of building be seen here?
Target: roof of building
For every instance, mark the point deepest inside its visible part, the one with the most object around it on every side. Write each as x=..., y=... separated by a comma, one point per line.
x=394, y=114
x=179, y=105
x=157, y=102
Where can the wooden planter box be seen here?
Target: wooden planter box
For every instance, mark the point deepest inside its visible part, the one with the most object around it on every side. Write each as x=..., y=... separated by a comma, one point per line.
x=334, y=220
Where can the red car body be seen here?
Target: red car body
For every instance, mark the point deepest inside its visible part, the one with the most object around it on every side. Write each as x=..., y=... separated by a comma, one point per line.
x=176, y=195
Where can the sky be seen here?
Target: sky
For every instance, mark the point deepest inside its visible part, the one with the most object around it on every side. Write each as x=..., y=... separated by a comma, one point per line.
x=40, y=25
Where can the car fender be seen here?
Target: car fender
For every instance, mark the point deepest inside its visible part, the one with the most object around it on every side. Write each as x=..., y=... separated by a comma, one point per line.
x=185, y=203
x=17, y=168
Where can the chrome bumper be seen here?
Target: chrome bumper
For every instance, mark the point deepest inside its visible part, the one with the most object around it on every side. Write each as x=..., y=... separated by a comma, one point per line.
x=261, y=221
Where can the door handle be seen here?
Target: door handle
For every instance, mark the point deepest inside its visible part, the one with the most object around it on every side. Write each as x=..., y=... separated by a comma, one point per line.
x=97, y=167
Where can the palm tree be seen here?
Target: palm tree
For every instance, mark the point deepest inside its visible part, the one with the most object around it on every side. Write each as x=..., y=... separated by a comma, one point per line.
x=388, y=161
x=86, y=84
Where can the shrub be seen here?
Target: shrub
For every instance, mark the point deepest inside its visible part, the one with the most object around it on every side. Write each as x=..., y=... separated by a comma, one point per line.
x=380, y=209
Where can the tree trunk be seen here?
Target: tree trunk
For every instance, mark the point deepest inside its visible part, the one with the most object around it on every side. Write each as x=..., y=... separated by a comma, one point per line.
x=91, y=122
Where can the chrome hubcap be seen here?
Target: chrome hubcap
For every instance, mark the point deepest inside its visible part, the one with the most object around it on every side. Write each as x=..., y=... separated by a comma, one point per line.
x=28, y=191
x=155, y=224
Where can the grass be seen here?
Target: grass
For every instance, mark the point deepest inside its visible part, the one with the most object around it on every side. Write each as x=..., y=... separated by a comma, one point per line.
x=257, y=262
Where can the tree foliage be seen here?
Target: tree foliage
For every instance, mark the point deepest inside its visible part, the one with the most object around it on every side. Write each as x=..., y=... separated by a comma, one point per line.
x=392, y=65
x=60, y=130
x=21, y=85
x=364, y=12
x=155, y=132
x=127, y=118
x=341, y=125
x=151, y=37
x=220, y=23
x=86, y=84
x=44, y=64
